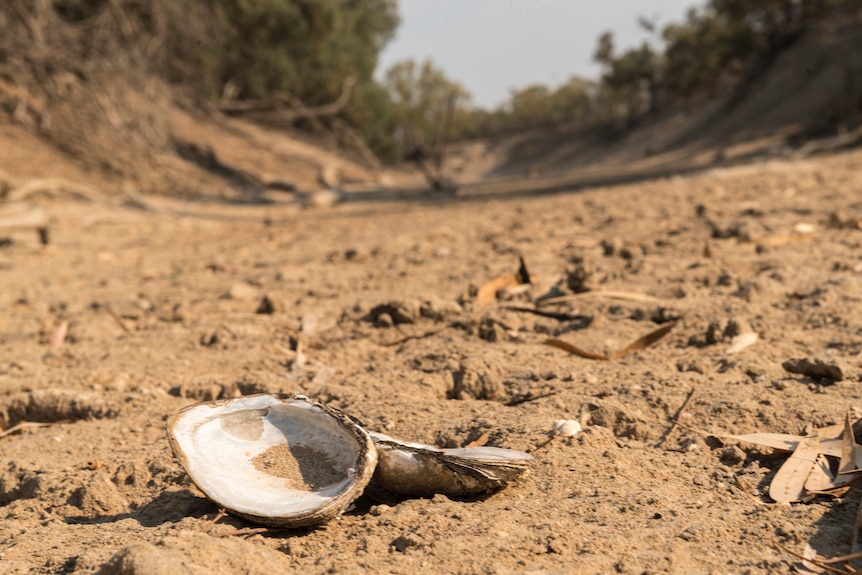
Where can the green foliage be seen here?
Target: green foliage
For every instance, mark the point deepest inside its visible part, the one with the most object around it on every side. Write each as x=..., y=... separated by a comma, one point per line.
x=425, y=103
x=714, y=48
x=305, y=48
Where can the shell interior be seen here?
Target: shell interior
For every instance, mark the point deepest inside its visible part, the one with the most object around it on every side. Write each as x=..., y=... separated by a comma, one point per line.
x=270, y=457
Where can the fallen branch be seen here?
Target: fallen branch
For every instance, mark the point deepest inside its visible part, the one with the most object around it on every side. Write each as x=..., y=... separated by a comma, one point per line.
x=270, y=108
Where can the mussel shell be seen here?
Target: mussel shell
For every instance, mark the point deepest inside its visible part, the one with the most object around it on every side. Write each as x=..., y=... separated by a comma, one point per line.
x=422, y=470
x=217, y=443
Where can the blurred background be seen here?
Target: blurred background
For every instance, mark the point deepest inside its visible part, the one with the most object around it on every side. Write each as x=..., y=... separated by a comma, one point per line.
x=163, y=94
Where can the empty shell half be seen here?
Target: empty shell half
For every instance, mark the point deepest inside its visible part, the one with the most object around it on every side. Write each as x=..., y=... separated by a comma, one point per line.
x=278, y=460
x=417, y=469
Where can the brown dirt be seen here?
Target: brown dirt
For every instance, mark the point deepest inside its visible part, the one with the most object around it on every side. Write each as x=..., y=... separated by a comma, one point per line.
x=161, y=307
x=305, y=468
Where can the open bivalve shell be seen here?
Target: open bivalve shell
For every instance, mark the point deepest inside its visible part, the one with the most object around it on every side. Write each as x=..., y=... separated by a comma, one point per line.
x=278, y=460
x=416, y=469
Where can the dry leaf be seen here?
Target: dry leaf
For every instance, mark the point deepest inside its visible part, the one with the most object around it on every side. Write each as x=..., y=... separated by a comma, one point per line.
x=848, y=449
x=574, y=350
x=645, y=341
x=821, y=480
x=479, y=441
x=789, y=483
x=784, y=442
x=488, y=292
x=640, y=343
x=780, y=441
x=741, y=342
x=834, y=431
x=821, y=477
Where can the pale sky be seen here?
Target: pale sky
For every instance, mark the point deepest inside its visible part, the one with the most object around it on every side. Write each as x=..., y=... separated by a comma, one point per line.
x=492, y=46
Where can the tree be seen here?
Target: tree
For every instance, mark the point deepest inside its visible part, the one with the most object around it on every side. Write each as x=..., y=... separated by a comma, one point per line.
x=425, y=102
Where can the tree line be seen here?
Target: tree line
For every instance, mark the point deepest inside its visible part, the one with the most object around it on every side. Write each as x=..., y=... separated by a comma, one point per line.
x=259, y=49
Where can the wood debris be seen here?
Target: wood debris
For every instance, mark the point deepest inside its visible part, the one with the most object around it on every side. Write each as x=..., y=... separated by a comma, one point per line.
x=487, y=294
x=608, y=294
x=821, y=464
x=640, y=343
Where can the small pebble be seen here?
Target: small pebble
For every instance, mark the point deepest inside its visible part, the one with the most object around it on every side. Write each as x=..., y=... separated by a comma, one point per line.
x=566, y=427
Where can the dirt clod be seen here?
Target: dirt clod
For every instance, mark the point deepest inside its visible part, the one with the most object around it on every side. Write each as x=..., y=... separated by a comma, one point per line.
x=817, y=368
x=478, y=379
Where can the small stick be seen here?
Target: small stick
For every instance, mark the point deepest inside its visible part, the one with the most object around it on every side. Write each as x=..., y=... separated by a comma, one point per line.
x=677, y=417
x=851, y=557
x=23, y=425
x=819, y=563
x=746, y=491
x=411, y=337
x=610, y=294
x=528, y=398
x=543, y=313
x=246, y=531
x=119, y=320
x=211, y=523
x=541, y=445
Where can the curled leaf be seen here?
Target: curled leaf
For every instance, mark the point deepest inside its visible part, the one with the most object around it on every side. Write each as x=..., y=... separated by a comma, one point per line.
x=488, y=292
x=645, y=341
x=574, y=350
x=640, y=343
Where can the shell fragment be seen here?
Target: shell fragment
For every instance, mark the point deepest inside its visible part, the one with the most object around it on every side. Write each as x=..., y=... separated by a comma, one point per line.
x=275, y=460
x=417, y=469
x=285, y=461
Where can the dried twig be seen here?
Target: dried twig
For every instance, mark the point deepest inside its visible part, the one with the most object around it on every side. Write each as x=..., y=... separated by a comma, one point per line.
x=25, y=424
x=677, y=417
x=543, y=444
x=610, y=294
x=411, y=337
x=819, y=563
x=750, y=495
x=211, y=523
x=561, y=316
x=528, y=397
x=120, y=321
x=246, y=531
